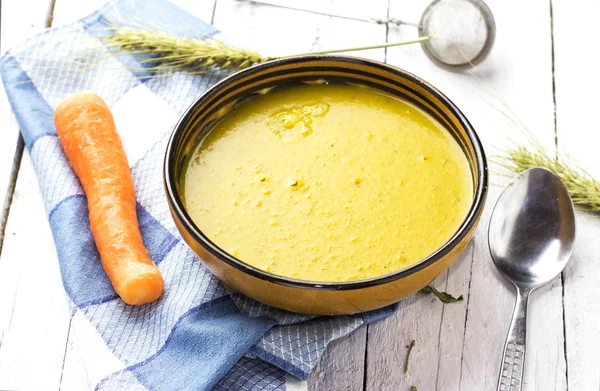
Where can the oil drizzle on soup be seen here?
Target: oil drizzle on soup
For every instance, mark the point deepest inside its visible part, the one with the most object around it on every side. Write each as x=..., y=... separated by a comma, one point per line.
x=328, y=183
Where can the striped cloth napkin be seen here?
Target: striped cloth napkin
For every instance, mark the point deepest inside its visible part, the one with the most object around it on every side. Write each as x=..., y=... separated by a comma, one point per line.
x=199, y=335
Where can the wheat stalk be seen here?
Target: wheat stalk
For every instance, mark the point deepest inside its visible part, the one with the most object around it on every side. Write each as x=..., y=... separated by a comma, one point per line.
x=180, y=52
x=583, y=188
x=165, y=52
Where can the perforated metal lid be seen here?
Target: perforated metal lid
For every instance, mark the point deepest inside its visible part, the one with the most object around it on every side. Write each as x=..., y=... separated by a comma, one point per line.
x=463, y=32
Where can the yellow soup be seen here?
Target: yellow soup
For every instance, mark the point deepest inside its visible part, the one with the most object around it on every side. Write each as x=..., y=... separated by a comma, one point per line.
x=328, y=183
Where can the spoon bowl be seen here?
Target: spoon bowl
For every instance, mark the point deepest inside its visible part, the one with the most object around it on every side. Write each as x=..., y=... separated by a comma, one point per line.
x=532, y=230
x=531, y=238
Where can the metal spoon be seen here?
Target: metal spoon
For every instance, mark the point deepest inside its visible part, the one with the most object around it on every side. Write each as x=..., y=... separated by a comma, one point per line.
x=531, y=237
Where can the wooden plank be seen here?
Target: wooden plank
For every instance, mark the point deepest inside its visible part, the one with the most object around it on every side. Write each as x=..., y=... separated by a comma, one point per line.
x=576, y=77
x=34, y=333
x=342, y=365
x=459, y=346
x=20, y=20
x=87, y=359
x=278, y=32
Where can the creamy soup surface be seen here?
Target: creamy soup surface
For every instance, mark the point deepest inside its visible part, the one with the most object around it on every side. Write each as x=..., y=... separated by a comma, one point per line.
x=328, y=183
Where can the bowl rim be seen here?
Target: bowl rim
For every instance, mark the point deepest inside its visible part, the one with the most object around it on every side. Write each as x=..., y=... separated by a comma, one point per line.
x=185, y=220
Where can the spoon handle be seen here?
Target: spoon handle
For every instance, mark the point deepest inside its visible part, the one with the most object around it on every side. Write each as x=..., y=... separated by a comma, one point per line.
x=513, y=359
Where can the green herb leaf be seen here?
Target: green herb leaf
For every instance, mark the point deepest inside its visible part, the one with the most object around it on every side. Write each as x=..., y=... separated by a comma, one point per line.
x=443, y=296
x=410, y=348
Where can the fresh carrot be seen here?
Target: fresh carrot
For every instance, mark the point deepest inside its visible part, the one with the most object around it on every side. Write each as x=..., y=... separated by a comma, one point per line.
x=88, y=135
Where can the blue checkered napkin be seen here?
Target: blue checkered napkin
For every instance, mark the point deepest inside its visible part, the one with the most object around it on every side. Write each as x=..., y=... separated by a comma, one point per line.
x=199, y=335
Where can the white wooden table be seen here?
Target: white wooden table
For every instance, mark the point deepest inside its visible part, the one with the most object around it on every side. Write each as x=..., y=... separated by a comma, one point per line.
x=542, y=71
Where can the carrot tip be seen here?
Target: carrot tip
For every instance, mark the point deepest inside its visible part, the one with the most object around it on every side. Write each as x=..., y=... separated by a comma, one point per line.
x=142, y=288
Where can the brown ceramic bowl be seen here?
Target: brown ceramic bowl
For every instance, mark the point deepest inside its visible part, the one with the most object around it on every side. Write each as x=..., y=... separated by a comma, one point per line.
x=319, y=297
